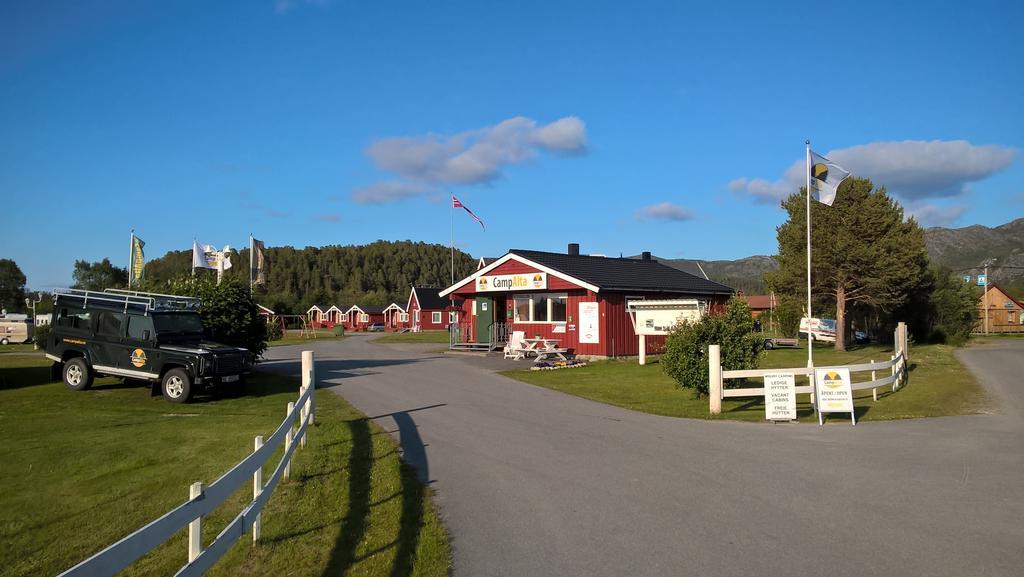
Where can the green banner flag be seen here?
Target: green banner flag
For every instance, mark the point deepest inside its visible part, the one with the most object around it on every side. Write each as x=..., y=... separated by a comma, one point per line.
x=138, y=263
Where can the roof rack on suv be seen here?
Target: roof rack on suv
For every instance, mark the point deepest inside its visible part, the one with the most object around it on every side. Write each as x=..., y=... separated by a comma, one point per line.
x=126, y=299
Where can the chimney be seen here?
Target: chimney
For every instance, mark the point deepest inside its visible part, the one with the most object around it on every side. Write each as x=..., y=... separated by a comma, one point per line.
x=574, y=249
x=645, y=255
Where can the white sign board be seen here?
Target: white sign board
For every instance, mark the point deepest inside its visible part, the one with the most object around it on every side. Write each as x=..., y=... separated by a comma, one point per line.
x=590, y=318
x=658, y=317
x=835, y=395
x=512, y=282
x=779, y=397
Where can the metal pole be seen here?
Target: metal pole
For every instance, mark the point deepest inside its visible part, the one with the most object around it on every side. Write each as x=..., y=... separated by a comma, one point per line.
x=810, y=352
x=131, y=254
x=250, y=264
x=984, y=299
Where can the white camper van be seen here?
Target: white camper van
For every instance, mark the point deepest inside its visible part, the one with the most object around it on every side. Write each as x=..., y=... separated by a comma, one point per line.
x=823, y=330
x=15, y=331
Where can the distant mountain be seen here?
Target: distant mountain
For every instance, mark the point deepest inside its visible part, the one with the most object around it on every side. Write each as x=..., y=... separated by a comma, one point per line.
x=961, y=249
x=968, y=249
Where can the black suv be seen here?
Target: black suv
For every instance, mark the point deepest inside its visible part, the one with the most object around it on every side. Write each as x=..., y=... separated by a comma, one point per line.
x=146, y=336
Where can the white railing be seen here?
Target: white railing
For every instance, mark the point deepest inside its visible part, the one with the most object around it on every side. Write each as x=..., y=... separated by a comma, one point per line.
x=897, y=366
x=204, y=499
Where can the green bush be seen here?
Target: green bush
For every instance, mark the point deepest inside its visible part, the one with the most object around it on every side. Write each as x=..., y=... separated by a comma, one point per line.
x=953, y=304
x=274, y=332
x=339, y=330
x=686, y=349
x=40, y=334
x=228, y=311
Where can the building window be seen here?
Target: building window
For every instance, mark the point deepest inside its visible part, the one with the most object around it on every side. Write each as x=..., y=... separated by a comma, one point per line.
x=435, y=317
x=540, y=308
x=403, y=317
x=364, y=318
x=453, y=317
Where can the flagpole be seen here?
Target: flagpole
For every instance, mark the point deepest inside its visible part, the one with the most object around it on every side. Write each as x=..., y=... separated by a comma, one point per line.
x=451, y=213
x=131, y=253
x=250, y=264
x=810, y=351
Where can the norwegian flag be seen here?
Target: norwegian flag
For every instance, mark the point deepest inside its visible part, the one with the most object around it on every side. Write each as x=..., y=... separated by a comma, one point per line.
x=456, y=203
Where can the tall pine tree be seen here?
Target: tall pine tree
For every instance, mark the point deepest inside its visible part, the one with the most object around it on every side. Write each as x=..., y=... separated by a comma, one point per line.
x=862, y=251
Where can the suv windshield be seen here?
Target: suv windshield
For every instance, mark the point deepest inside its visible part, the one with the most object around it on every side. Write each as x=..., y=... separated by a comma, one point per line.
x=178, y=324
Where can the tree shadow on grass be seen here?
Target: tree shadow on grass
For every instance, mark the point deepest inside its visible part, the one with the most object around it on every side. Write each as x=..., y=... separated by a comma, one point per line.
x=353, y=526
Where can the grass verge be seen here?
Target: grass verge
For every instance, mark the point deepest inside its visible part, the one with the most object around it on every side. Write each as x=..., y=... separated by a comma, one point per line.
x=434, y=337
x=938, y=385
x=296, y=338
x=83, y=469
x=17, y=348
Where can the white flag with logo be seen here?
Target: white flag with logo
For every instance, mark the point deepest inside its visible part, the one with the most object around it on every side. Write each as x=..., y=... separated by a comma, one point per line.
x=199, y=259
x=825, y=178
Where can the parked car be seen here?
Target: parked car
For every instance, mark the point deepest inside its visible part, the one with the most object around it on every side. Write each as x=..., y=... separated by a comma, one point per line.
x=143, y=336
x=376, y=328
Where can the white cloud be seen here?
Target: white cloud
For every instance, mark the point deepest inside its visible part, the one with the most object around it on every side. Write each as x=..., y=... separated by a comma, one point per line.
x=910, y=169
x=388, y=191
x=936, y=215
x=664, y=211
x=471, y=157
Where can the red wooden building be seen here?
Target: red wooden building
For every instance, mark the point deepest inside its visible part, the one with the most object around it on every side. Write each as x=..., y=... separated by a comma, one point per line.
x=579, y=300
x=395, y=318
x=360, y=317
x=428, y=311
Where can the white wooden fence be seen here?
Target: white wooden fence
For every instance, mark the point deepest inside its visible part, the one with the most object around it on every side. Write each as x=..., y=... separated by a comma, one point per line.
x=204, y=499
x=896, y=365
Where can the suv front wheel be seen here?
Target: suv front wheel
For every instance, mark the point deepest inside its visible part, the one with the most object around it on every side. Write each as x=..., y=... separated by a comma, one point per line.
x=176, y=386
x=77, y=374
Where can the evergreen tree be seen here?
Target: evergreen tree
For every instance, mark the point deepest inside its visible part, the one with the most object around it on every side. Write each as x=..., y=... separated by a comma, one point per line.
x=862, y=250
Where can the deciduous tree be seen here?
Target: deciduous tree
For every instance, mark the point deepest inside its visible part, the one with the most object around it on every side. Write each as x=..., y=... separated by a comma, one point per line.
x=97, y=276
x=12, y=286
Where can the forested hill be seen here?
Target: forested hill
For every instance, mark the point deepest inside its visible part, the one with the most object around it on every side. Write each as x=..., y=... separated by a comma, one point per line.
x=373, y=274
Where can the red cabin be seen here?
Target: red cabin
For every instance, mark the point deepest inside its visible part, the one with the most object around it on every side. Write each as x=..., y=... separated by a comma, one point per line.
x=428, y=311
x=361, y=317
x=577, y=299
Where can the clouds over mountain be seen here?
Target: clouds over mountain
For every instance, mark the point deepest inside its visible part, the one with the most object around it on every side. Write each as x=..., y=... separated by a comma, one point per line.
x=913, y=170
x=423, y=163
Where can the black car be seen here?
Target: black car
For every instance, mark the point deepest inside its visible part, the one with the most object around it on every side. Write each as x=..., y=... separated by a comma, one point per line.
x=143, y=336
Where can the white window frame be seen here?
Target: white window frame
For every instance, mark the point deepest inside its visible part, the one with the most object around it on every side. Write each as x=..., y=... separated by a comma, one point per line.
x=364, y=318
x=551, y=296
x=403, y=317
x=453, y=316
x=435, y=317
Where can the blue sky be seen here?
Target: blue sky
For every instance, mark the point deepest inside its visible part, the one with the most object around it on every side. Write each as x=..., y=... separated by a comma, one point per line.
x=622, y=126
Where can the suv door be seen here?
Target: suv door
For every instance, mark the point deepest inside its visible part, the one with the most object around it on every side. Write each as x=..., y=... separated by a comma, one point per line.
x=137, y=351
x=106, y=344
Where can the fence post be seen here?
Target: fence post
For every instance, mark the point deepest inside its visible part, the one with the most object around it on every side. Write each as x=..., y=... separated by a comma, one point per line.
x=874, y=390
x=195, y=527
x=309, y=380
x=892, y=360
x=643, y=349
x=257, y=489
x=902, y=328
x=715, y=378
x=288, y=442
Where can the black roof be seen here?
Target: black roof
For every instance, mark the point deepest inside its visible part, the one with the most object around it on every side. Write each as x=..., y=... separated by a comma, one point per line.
x=429, y=299
x=371, y=309
x=625, y=274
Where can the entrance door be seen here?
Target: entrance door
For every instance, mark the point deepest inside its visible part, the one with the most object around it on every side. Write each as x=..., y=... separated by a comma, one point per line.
x=484, y=318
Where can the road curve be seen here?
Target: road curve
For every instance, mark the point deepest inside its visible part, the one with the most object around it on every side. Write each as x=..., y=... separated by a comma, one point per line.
x=535, y=482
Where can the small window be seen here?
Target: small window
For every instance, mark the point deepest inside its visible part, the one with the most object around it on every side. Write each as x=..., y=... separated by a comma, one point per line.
x=137, y=326
x=453, y=317
x=403, y=317
x=435, y=317
x=109, y=324
x=364, y=318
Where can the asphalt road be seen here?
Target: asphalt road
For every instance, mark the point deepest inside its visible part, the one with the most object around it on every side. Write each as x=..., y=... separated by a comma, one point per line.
x=533, y=482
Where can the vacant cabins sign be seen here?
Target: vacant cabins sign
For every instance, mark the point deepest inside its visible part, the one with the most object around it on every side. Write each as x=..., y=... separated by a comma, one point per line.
x=512, y=282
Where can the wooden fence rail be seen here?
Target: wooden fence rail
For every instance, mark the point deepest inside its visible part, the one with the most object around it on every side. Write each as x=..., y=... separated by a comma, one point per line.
x=204, y=499
x=897, y=366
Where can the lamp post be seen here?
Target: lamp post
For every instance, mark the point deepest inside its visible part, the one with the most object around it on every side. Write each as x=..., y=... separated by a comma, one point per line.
x=32, y=303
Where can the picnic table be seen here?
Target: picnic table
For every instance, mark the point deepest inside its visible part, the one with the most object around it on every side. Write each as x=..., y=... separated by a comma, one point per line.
x=544, y=349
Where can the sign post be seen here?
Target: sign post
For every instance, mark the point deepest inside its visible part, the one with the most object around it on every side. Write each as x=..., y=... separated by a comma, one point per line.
x=780, y=397
x=835, y=394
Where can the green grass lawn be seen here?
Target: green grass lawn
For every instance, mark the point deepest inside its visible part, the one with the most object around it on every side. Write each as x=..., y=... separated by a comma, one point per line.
x=83, y=469
x=938, y=385
x=296, y=338
x=439, y=337
x=17, y=348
